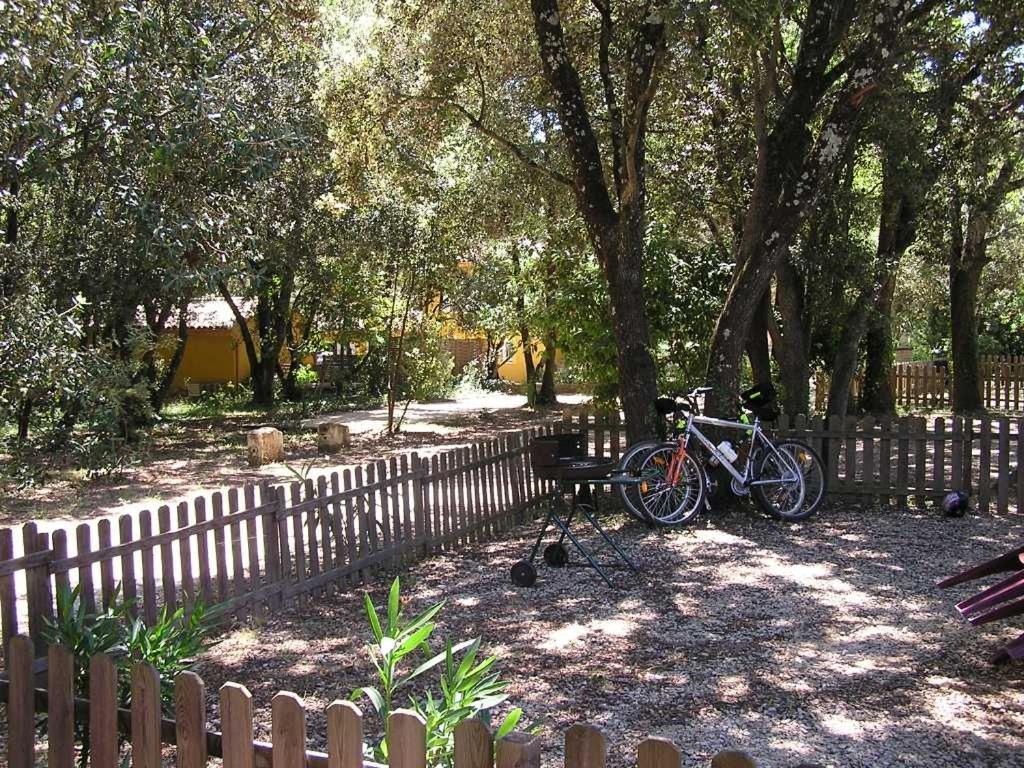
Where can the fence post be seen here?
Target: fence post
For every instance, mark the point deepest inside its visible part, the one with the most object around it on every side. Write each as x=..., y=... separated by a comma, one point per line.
x=345, y=735
x=21, y=721
x=190, y=720
x=407, y=740
x=8, y=597
x=60, y=711
x=585, y=747
x=271, y=543
x=518, y=750
x=103, y=712
x=474, y=747
x=288, y=731
x=236, y=726
x=37, y=587
x=145, y=717
x=658, y=753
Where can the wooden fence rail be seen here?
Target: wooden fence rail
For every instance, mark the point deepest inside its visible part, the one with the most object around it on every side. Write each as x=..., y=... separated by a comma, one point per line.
x=926, y=385
x=262, y=546
x=902, y=460
x=144, y=734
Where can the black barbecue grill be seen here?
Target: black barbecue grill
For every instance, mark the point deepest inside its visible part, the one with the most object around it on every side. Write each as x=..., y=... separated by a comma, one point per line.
x=563, y=458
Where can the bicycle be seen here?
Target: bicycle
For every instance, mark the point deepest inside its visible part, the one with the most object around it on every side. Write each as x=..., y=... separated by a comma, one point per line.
x=786, y=477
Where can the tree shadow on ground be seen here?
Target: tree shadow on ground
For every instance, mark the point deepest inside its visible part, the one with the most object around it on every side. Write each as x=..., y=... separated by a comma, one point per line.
x=824, y=641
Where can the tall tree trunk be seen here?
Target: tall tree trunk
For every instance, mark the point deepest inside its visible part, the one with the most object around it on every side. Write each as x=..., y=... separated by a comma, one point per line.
x=877, y=395
x=791, y=351
x=524, y=332
x=844, y=364
x=24, y=418
x=758, y=351
x=616, y=234
x=547, y=395
x=794, y=167
x=163, y=388
x=963, y=308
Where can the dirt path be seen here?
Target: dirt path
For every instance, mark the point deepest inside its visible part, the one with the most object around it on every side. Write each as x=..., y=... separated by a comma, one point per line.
x=824, y=642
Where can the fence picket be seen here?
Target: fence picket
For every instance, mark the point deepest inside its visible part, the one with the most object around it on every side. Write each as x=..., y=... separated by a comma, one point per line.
x=288, y=729
x=8, y=595
x=220, y=538
x=145, y=716
x=203, y=553
x=868, y=455
x=585, y=747
x=163, y=515
x=105, y=542
x=885, y=459
x=407, y=740
x=658, y=753
x=83, y=541
x=236, y=726
x=518, y=750
x=60, y=707
x=939, y=457
x=148, y=568
x=129, y=586
x=984, y=487
x=920, y=460
x=190, y=720
x=345, y=735
x=1003, y=471
x=21, y=725
x=103, y=741
x=474, y=747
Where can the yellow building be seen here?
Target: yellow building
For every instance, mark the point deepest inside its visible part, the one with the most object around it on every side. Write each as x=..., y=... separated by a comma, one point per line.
x=215, y=354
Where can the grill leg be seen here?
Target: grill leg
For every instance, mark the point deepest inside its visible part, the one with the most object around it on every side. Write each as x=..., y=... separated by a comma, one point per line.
x=583, y=551
x=548, y=518
x=587, y=513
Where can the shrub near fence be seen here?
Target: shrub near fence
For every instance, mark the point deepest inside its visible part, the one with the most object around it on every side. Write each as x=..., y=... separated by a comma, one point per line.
x=145, y=729
x=272, y=544
x=902, y=460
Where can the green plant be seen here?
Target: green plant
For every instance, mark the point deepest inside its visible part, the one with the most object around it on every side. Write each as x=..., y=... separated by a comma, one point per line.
x=170, y=644
x=306, y=377
x=468, y=688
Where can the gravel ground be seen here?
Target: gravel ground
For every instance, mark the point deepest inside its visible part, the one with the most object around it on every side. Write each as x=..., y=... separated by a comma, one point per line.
x=825, y=642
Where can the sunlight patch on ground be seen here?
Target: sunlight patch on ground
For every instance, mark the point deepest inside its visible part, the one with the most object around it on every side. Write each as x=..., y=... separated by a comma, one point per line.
x=570, y=634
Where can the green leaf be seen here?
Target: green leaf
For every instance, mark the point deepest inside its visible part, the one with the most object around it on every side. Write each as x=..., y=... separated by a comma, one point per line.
x=394, y=607
x=373, y=695
x=433, y=662
x=508, y=724
x=371, y=615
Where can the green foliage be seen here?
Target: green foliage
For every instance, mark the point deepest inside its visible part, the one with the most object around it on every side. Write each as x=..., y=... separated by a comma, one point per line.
x=170, y=645
x=426, y=365
x=470, y=687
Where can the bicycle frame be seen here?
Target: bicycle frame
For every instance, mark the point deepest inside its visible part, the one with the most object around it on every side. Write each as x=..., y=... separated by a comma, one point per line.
x=757, y=436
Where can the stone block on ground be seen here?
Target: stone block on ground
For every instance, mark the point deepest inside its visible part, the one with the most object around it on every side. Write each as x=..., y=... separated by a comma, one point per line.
x=331, y=437
x=265, y=446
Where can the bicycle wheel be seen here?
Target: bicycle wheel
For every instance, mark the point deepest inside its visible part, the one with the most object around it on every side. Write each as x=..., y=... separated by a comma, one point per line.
x=778, y=486
x=669, y=501
x=815, y=479
x=630, y=463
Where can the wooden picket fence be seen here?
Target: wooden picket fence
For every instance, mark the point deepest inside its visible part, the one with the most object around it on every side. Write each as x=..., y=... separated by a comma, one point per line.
x=148, y=736
x=268, y=545
x=909, y=460
x=926, y=386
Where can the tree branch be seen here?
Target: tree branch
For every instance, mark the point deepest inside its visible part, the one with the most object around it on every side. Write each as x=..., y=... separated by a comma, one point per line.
x=611, y=101
x=589, y=181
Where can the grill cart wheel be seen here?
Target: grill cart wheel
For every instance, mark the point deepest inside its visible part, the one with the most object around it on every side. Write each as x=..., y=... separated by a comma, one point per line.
x=556, y=555
x=524, y=574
